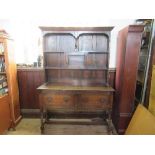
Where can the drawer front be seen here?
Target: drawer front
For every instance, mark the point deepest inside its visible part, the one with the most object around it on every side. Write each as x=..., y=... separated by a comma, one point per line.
x=59, y=101
x=95, y=102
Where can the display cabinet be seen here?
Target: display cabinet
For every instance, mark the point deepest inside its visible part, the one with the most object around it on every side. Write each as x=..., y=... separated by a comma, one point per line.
x=9, y=95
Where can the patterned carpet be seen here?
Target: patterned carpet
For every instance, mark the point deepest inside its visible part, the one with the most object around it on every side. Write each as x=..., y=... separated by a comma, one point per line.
x=32, y=127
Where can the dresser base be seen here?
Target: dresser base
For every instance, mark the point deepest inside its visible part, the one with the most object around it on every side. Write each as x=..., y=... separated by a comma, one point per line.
x=75, y=102
x=103, y=118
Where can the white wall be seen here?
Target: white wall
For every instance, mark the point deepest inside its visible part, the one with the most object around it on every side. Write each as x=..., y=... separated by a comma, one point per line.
x=26, y=34
x=118, y=25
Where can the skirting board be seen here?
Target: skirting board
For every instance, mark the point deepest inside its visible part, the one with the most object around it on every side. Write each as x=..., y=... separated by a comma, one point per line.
x=30, y=113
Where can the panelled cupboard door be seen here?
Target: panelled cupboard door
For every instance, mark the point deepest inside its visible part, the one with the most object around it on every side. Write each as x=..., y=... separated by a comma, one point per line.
x=55, y=59
x=94, y=102
x=59, y=43
x=93, y=42
x=73, y=102
x=59, y=102
x=68, y=43
x=97, y=60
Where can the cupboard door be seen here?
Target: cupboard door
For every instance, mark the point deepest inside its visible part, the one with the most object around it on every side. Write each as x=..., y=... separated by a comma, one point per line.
x=55, y=59
x=93, y=42
x=59, y=102
x=97, y=60
x=94, y=102
x=59, y=43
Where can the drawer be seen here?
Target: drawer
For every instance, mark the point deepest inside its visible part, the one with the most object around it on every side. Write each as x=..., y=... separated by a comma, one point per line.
x=94, y=102
x=58, y=101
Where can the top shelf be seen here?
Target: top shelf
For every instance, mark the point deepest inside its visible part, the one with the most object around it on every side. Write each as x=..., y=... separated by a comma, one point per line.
x=63, y=29
x=57, y=86
x=77, y=68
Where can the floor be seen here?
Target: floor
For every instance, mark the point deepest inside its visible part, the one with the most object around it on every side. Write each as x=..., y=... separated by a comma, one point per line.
x=29, y=126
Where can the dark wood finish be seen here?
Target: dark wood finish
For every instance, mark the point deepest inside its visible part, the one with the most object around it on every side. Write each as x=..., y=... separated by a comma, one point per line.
x=76, y=98
x=76, y=64
x=79, y=100
x=11, y=74
x=129, y=43
x=29, y=79
x=112, y=75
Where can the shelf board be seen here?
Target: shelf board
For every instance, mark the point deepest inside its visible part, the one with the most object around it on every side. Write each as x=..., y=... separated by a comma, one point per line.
x=78, y=52
x=97, y=52
x=77, y=67
x=54, y=86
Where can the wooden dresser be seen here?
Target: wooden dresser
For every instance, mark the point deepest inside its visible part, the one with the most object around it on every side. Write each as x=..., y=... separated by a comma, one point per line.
x=76, y=67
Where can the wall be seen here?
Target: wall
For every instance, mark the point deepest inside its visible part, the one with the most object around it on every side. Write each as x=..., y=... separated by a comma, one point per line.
x=27, y=36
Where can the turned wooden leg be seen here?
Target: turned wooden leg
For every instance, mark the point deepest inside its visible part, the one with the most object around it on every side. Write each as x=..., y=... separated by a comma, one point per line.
x=47, y=117
x=42, y=129
x=109, y=122
x=42, y=121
